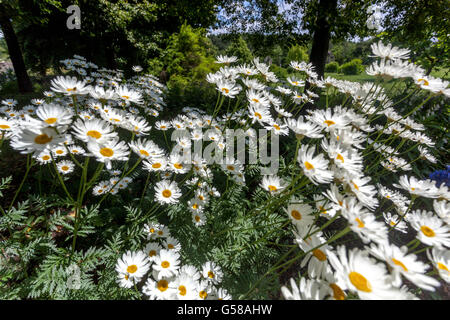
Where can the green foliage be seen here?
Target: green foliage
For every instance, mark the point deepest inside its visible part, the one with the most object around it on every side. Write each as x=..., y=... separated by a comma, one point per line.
x=239, y=48
x=332, y=67
x=189, y=54
x=189, y=57
x=279, y=71
x=3, y=50
x=420, y=25
x=297, y=53
x=343, y=51
x=352, y=68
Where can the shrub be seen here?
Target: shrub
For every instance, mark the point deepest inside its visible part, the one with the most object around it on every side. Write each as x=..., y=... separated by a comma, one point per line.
x=279, y=71
x=352, y=67
x=240, y=49
x=297, y=53
x=332, y=67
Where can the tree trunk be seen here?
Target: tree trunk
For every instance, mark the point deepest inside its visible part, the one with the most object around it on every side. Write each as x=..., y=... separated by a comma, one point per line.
x=15, y=53
x=322, y=34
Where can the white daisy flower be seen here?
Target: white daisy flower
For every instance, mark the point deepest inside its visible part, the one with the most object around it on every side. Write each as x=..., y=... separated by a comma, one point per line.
x=152, y=249
x=308, y=289
x=166, y=263
x=65, y=166
x=212, y=272
x=93, y=130
x=133, y=264
x=109, y=151
x=273, y=184
x=54, y=115
x=185, y=287
x=315, y=168
x=362, y=275
x=402, y=263
x=441, y=262
x=69, y=86
x=167, y=192
x=159, y=290
x=431, y=230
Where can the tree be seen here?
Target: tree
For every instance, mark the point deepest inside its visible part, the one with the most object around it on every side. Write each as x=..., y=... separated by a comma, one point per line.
x=239, y=48
x=15, y=52
x=322, y=19
x=114, y=33
x=297, y=53
x=421, y=25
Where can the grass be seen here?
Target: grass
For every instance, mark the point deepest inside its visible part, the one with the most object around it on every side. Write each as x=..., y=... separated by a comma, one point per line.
x=10, y=90
x=362, y=77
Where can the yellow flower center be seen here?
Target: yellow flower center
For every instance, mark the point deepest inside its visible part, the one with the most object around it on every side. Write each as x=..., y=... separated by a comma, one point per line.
x=182, y=290
x=319, y=254
x=4, y=126
x=42, y=139
x=272, y=188
x=360, y=223
x=144, y=153
x=225, y=90
x=51, y=120
x=308, y=165
x=356, y=186
x=156, y=165
x=65, y=168
x=399, y=263
x=45, y=158
x=203, y=294
x=329, y=122
x=132, y=269
x=425, y=82
x=277, y=127
x=152, y=253
x=107, y=152
x=178, y=165
x=126, y=97
x=231, y=168
x=360, y=282
x=296, y=215
x=442, y=266
x=258, y=115
x=211, y=274
x=170, y=246
x=255, y=100
x=165, y=264
x=427, y=231
x=338, y=294
x=167, y=193
x=340, y=157
x=162, y=285
x=59, y=151
x=94, y=134
x=197, y=218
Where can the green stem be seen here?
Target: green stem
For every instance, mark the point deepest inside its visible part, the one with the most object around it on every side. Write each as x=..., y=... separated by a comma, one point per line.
x=29, y=165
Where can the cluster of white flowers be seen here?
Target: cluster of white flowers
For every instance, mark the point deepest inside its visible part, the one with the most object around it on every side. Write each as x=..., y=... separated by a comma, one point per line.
x=166, y=278
x=95, y=116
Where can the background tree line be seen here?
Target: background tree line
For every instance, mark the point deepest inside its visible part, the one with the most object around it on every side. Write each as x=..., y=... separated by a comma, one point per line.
x=169, y=37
